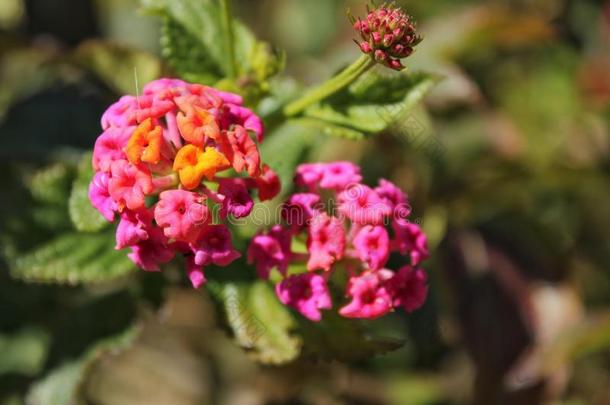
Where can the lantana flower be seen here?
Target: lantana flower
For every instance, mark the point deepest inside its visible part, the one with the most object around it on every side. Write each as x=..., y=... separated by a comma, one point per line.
x=357, y=234
x=166, y=160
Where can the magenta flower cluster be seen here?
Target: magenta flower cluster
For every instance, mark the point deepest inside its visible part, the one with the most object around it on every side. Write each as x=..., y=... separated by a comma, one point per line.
x=357, y=238
x=388, y=35
x=156, y=166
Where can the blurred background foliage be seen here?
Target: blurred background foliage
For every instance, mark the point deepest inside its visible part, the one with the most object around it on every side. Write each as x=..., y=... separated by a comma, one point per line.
x=506, y=164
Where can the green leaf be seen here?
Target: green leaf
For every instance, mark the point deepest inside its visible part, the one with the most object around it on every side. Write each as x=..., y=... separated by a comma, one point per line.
x=371, y=105
x=23, y=352
x=194, y=43
x=73, y=258
x=84, y=217
x=185, y=55
x=325, y=127
x=337, y=338
x=284, y=149
x=120, y=67
x=201, y=19
x=51, y=184
x=260, y=323
x=62, y=386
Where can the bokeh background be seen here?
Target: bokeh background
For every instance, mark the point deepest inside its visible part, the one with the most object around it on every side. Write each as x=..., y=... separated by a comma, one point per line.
x=506, y=164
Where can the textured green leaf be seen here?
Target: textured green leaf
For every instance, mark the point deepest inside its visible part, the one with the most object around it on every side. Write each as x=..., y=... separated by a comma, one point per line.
x=337, y=338
x=193, y=41
x=185, y=55
x=201, y=19
x=73, y=258
x=372, y=104
x=260, y=323
x=62, y=385
x=84, y=217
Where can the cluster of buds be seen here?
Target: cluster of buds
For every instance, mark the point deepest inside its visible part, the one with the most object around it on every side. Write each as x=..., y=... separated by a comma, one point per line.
x=387, y=34
x=355, y=237
x=173, y=164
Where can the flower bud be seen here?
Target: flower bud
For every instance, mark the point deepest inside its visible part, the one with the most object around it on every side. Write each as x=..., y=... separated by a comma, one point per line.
x=388, y=34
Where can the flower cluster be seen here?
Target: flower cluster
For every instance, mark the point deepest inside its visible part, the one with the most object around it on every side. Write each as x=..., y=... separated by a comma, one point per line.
x=162, y=164
x=368, y=226
x=388, y=35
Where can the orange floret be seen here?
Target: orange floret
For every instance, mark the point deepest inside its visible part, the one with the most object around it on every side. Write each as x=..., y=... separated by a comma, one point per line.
x=196, y=124
x=193, y=163
x=145, y=143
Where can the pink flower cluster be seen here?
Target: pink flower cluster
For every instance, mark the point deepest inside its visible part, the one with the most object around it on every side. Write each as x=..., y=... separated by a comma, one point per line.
x=368, y=226
x=388, y=35
x=156, y=166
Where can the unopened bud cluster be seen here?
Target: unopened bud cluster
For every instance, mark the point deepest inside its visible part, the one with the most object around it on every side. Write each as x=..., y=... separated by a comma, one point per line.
x=388, y=35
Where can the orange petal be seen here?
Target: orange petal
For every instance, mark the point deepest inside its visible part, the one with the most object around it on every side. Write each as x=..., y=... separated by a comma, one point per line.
x=193, y=163
x=145, y=143
x=152, y=152
x=196, y=124
x=212, y=162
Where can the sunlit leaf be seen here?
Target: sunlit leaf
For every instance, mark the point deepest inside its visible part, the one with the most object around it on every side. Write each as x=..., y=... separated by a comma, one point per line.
x=372, y=104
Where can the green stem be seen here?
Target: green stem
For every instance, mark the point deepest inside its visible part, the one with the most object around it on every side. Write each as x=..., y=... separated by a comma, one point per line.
x=227, y=21
x=331, y=86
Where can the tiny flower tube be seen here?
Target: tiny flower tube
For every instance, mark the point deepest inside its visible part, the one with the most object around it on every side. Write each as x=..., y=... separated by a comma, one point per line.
x=162, y=166
x=182, y=214
x=307, y=293
x=214, y=247
x=326, y=242
x=270, y=250
x=369, y=295
x=237, y=201
x=409, y=288
x=356, y=234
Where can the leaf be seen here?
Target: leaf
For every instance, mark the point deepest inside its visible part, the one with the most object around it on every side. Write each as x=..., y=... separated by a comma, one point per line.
x=185, y=55
x=83, y=215
x=337, y=338
x=194, y=33
x=327, y=128
x=372, y=104
x=23, y=352
x=49, y=188
x=73, y=258
x=61, y=386
x=120, y=67
x=284, y=149
x=51, y=184
x=201, y=19
x=260, y=323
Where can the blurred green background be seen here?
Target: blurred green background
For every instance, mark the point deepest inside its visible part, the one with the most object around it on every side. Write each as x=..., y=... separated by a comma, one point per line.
x=506, y=164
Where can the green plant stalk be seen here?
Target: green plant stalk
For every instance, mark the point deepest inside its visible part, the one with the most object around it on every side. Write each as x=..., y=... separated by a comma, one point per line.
x=331, y=86
x=229, y=37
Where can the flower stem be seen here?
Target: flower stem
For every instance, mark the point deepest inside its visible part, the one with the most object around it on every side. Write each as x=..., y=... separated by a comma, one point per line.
x=331, y=86
x=229, y=37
